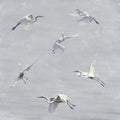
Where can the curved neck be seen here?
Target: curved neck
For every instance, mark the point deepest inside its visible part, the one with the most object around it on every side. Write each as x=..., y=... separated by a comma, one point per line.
x=36, y=18
x=63, y=36
x=47, y=100
x=78, y=11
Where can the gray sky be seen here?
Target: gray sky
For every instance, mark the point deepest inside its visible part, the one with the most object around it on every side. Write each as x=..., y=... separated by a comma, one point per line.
x=53, y=74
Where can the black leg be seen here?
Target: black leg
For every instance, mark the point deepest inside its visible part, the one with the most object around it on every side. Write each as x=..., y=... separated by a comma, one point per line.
x=24, y=81
x=71, y=104
x=100, y=82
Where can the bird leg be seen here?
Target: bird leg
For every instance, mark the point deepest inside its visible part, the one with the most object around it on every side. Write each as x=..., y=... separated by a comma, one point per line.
x=95, y=20
x=15, y=26
x=71, y=104
x=25, y=77
x=24, y=80
x=100, y=82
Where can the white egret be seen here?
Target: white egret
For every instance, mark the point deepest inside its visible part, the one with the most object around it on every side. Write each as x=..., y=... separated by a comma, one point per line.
x=90, y=74
x=28, y=19
x=53, y=102
x=85, y=16
x=57, y=44
x=22, y=74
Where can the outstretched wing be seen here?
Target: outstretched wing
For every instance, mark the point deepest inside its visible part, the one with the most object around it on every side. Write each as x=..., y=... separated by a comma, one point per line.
x=52, y=106
x=74, y=14
x=28, y=68
x=70, y=36
x=65, y=37
x=86, y=19
x=92, y=69
x=14, y=84
x=58, y=46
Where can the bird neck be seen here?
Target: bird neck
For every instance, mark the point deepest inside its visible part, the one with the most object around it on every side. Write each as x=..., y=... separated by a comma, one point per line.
x=36, y=18
x=47, y=100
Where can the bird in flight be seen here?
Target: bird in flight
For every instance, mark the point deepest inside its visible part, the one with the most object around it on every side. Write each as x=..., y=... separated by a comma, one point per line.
x=22, y=74
x=85, y=16
x=90, y=74
x=54, y=102
x=26, y=20
x=58, y=45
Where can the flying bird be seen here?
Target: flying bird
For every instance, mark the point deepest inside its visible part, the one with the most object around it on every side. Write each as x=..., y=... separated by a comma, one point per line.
x=26, y=20
x=58, y=45
x=22, y=74
x=90, y=74
x=85, y=16
x=54, y=102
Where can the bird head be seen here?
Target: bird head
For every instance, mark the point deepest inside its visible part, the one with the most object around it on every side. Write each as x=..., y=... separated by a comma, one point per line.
x=79, y=73
x=77, y=10
x=40, y=97
x=76, y=71
x=76, y=13
x=29, y=17
x=39, y=16
x=81, y=13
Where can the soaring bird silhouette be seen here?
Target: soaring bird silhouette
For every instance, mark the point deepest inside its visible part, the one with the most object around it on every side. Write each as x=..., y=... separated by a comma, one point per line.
x=90, y=74
x=57, y=44
x=22, y=74
x=54, y=102
x=85, y=16
x=28, y=19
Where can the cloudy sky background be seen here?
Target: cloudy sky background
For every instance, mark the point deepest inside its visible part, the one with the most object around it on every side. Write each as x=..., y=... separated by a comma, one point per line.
x=53, y=74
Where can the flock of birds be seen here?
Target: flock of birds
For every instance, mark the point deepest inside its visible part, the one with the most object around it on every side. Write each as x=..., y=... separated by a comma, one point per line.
x=60, y=98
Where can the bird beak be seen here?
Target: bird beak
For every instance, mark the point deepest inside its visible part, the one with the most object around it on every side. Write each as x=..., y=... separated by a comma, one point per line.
x=74, y=14
x=42, y=16
x=39, y=97
x=76, y=71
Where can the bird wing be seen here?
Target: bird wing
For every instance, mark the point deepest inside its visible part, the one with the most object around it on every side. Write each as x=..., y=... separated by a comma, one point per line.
x=65, y=37
x=74, y=14
x=14, y=84
x=92, y=69
x=77, y=13
x=28, y=68
x=86, y=19
x=58, y=46
x=70, y=36
x=22, y=20
x=21, y=67
x=53, y=106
